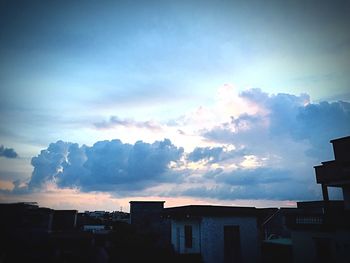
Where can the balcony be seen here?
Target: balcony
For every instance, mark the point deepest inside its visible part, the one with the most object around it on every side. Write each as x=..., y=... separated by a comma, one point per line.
x=325, y=220
x=333, y=173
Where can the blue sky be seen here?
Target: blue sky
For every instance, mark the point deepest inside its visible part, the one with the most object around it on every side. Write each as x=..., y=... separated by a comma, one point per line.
x=226, y=102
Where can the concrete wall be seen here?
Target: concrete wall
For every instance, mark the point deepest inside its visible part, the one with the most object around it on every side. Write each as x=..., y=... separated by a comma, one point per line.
x=342, y=246
x=208, y=237
x=145, y=213
x=304, y=249
x=146, y=217
x=178, y=236
x=346, y=196
x=212, y=238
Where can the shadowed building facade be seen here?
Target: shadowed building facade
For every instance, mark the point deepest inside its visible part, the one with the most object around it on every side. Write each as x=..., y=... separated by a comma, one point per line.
x=216, y=233
x=321, y=229
x=336, y=173
x=146, y=217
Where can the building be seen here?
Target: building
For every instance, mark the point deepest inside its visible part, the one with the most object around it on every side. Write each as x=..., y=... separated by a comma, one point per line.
x=25, y=234
x=275, y=226
x=216, y=233
x=100, y=229
x=25, y=216
x=64, y=220
x=277, y=243
x=145, y=213
x=147, y=218
x=336, y=173
x=97, y=214
x=120, y=216
x=320, y=230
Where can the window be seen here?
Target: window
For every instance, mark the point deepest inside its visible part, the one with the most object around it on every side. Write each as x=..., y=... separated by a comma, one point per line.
x=188, y=236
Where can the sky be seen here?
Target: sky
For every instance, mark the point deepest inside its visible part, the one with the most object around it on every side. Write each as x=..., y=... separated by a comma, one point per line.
x=192, y=102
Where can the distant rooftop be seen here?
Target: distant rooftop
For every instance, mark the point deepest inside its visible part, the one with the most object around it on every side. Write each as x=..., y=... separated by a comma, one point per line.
x=33, y=204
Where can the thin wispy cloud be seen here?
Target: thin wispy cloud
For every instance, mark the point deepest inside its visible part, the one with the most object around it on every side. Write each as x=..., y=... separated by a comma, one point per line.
x=116, y=121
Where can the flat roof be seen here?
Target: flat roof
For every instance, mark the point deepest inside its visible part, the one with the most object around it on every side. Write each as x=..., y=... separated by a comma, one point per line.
x=132, y=202
x=210, y=210
x=341, y=139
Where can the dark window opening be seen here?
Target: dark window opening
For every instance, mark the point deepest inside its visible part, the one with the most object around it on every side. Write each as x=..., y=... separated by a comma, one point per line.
x=188, y=236
x=232, y=244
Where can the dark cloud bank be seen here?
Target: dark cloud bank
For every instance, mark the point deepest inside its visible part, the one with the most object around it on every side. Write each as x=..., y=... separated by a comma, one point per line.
x=7, y=152
x=118, y=167
x=288, y=116
x=106, y=166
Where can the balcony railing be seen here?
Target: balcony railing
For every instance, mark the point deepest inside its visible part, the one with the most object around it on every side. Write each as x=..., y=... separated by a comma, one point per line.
x=319, y=221
x=313, y=220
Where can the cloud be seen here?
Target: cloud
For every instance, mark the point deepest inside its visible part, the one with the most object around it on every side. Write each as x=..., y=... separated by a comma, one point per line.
x=266, y=183
x=281, y=191
x=284, y=137
x=264, y=150
x=285, y=117
x=250, y=177
x=48, y=164
x=106, y=166
x=116, y=121
x=7, y=152
x=215, y=154
x=319, y=123
x=210, y=153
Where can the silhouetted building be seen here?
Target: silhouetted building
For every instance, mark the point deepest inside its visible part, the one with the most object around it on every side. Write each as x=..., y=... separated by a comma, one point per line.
x=25, y=232
x=146, y=217
x=145, y=213
x=97, y=214
x=275, y=226
x=25, y=216
x=217, y=233
x=336, y=173
x=277, y=242
x=320, y=230
x=120, y=216
x=64, y=220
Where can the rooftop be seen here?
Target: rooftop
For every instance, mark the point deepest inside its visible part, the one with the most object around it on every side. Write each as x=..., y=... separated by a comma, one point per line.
x=344, y=139
x=336, y=172
x=66, y=211
x=208, y=210
x=337, y=204
x=141, y=202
